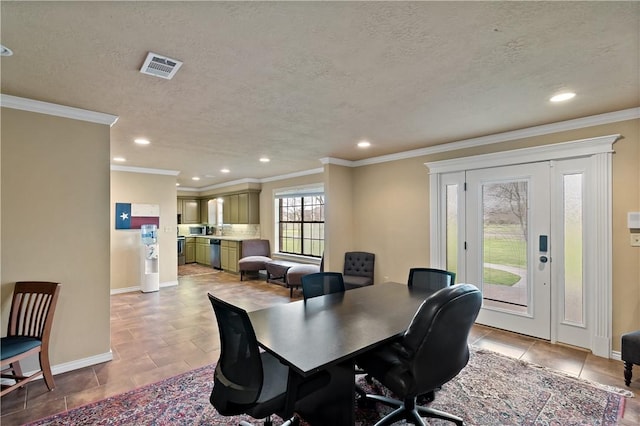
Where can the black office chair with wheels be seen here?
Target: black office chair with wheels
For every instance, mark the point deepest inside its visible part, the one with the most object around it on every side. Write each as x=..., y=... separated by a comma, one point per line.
x=246, y=381
x=430, y=278
x=321, y=283
x=431, y=352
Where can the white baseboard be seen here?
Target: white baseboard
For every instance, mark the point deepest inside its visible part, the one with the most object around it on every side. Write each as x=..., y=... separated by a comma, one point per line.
x=616, y=355
x=81, y=363
x=72, y=365
x=138, y=288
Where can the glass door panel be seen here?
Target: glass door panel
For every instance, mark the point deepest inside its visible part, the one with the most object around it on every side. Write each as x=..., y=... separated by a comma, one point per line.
x=572, y=221
x=573, y=286
x=507, y=213
x=452, y=228
x=505, y=207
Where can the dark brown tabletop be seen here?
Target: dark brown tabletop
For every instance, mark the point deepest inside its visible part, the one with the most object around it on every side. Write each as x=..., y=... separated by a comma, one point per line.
x=312, y=335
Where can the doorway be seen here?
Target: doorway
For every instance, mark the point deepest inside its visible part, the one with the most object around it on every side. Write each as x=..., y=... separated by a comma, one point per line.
x=508, y=223
x=532, y=229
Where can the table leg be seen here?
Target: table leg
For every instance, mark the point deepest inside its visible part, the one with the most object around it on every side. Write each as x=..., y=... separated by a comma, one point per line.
x=333, y=404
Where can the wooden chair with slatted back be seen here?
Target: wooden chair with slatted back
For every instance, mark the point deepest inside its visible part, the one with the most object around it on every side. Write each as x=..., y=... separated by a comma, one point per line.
x=30, y=321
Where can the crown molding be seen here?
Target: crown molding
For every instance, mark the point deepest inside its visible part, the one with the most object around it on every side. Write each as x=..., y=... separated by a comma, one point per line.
x=562, y=150
x=219, y=185
x=545, y=129
x=337, y=161
x=293, y=175
x=250, y=180
x=116, y=168
x=14, y=102
x=230, y=183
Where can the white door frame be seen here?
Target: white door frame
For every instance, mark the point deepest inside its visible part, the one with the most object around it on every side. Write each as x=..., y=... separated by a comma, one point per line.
x=598, y=266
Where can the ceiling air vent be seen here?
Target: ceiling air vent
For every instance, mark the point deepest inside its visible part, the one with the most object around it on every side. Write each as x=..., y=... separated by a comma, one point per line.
x=160, y=66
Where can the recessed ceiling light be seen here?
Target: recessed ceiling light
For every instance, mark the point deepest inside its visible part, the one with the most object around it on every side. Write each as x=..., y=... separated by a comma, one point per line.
x=364, y=144
x=141, y=141
x=119, y=159
x=565, y=96
x=5, y=51
x=195, y=178
x=264, y=160
x=224, y=170
x=177, y=184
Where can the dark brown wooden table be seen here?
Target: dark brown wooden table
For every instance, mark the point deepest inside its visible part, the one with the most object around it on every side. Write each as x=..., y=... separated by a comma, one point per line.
x=324, y=335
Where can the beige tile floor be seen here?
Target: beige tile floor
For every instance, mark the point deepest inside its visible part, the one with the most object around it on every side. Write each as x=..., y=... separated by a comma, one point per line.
x=158, y=335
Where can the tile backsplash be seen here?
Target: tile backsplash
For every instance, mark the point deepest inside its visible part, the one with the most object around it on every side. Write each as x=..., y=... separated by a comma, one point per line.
x=244, y=231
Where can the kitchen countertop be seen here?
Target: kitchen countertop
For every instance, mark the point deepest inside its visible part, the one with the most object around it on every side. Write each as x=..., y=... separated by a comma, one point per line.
x=221, y=237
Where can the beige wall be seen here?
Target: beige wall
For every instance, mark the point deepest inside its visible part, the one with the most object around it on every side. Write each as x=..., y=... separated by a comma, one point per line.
x=391, y=219
x=143, y=188
x=339, y=216
x=391, y=216
x=55, y=224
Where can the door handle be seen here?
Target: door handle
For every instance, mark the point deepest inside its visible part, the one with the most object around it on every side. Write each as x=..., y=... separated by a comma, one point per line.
x=544, y=259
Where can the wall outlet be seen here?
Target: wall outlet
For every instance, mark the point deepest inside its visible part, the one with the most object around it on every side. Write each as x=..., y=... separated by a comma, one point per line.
x=635, y=240
x=386, y=278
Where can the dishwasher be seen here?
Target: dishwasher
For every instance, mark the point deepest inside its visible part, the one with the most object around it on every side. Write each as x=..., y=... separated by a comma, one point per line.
x=215, y=253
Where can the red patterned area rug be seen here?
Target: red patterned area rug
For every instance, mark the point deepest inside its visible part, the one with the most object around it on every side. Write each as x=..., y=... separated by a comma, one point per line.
x=491, y=390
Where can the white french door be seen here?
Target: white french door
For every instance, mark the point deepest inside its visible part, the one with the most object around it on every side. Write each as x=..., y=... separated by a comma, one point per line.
x=532, y=229
x=507, y=246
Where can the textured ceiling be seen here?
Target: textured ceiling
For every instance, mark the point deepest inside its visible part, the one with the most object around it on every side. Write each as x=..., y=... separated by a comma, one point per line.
x=299, y=81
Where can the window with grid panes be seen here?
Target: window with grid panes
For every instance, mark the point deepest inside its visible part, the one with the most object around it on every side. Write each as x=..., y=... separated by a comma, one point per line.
x=301, y=225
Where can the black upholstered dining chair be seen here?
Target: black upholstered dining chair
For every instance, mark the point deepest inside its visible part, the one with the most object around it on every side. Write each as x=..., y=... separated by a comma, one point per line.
x=430, y=278
x=358, y=269
x=431, y=352
x=246, y=381
x=320, y=283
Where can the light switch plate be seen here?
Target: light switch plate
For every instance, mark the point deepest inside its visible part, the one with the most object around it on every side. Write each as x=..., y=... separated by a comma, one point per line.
x=635, y=240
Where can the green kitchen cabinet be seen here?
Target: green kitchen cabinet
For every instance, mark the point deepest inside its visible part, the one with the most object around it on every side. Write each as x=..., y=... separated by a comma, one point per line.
x=241, y=208
x=230, y=252
x=189, y=209
x=203, y=251
x=190, y=250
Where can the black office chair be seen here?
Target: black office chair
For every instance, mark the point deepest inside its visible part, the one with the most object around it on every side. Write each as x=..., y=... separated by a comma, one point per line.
x=246, y=381
x=430, y=278
x=321, y=283
x=431, y=352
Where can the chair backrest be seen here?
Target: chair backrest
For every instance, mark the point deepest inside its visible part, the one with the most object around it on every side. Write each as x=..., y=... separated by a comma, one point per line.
x=430, y=278
x=32, y=309
x=321, y=283
x=436, y=340
x=256, y=247
x=359, y=263
x=238, y=376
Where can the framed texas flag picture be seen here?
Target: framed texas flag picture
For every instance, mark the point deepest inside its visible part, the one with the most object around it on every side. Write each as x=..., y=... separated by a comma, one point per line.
x=133, y=216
